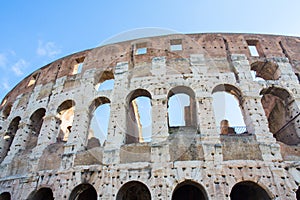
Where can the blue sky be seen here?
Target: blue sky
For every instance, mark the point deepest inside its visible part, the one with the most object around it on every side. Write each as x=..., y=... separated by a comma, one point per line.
x=34, y=33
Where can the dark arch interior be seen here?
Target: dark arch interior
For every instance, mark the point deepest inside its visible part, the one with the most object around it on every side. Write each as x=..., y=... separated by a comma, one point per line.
x=298, y=194
x=83, y=192
x=5, y=196
x=267, y=70
x=189, y=191
x=248, y=191
x=105, y=75
x=65, y=106
x=36, y=122
x=9, y=137
x=6, y=111
x=43, y=194
x=134, y=191
x=282, y=114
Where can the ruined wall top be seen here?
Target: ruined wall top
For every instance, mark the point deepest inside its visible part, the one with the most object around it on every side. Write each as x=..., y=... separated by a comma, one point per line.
x=211, y=45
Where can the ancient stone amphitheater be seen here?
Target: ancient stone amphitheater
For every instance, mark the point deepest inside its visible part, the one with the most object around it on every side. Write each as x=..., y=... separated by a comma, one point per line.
x=50, y=148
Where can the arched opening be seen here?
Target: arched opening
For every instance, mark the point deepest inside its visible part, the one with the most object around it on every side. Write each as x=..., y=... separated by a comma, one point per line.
x=248, y=190
x=134, y=190
x=9, y=137
x=227, y=101
x=106, y=81
x=189, y=190
x=65, y=116
x=139, y=117
x=298, y=194
x=283, y=115
x=100, y=113
x=5, y=196
x=83, y=191
x=36, y=122
x=42, y=194
x=266, y=70
x=181, y=107
x=6, y=111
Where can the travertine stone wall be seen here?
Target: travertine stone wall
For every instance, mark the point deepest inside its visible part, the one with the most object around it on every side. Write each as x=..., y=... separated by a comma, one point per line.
x=188, y=155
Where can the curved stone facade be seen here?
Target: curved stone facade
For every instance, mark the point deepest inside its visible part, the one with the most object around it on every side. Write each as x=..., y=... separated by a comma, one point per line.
x=49, y=148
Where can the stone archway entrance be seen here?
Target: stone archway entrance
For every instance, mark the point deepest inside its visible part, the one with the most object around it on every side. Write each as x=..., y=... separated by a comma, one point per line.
x=248, y=191
x=83, y=191
x=189, y=190
x=134, y=190
x=5, y=196
x=42, y=194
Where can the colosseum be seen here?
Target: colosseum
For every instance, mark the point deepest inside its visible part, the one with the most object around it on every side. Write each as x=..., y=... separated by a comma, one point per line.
x=138, y=120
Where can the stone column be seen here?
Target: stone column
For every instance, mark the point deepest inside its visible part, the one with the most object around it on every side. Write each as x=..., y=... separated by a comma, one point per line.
x=48, y=134
x=257, y=123
x=253, y=112
x=210, y=136
x=243, y=69
x=287, y=75
x=16, y=144
x=159, y=119
x=117, y=125
x=77, y=139
x=159, y=102
x=206, y=120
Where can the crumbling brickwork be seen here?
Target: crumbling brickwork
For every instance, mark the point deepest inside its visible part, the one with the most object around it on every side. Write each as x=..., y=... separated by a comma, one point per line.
x=49, y=148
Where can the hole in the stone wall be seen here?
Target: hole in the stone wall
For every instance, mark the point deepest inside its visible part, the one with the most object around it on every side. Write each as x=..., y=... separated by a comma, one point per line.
x=100, y=114
x=77, y=68
x=33, y=79
x=181, y=107
x=36, y=122
x=253, y=47
x=6, y=111
x=3, y=102
x=279, y=106
x=141, y=48
x=227, y=109
x=139, y=117
x=65, y=116
x=265, y=70
x=9, y=137
x=105, y=81
x=176, y=45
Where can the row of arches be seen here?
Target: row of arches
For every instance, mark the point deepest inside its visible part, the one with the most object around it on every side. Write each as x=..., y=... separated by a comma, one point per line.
x=135, y=190
x=280, y=109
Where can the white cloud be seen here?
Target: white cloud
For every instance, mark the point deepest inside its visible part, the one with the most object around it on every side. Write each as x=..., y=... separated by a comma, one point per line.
x=5, y=85
x=19, y=66
x=49, y=49
x=3, y=60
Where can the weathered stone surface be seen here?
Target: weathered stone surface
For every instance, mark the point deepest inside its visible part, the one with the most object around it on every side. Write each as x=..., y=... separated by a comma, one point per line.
x=49, y=147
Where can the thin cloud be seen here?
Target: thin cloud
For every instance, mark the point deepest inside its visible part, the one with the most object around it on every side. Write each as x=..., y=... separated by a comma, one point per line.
x=5, y=85
x=3, y=60
x=49, y=49
x=18, y=67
